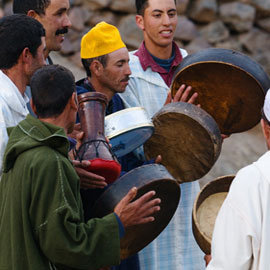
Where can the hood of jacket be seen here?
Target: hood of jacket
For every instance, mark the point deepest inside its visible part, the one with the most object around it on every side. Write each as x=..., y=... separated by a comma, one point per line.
x=31, y=133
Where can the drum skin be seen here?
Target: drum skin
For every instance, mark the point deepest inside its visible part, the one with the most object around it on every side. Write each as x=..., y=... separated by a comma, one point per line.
x=187, y=138
x=221, y=184
x=145, y=178
x=231, y=86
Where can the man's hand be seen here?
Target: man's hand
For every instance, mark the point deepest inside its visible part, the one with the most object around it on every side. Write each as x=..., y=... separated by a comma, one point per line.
x=182, y=95
x=139, y=211
x=88, y=179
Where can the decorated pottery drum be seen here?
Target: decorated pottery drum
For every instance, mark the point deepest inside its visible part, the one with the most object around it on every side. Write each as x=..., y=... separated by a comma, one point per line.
x=145, y=178
x=206, y=208
x=128, y=129
x=187, y=138
x=231, y=86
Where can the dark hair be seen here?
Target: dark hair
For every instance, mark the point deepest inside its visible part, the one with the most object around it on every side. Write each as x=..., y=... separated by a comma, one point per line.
x=51, y=88
x=18, y=32
x=87, y=62
x=23, y=6
x=141, y=5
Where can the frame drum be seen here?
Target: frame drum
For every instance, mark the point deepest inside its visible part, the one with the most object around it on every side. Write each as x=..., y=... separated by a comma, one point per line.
x=145, y=178
x=206, y=208
x=231, y=86
x=128, y=129
x=187, y=138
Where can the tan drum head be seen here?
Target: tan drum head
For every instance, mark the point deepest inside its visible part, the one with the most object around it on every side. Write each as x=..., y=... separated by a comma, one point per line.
x=145, y=178
x=187, y=138
x=206, y=208
x=231, y=87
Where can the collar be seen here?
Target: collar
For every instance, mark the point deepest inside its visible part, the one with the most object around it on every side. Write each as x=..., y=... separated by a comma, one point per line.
x=147, y=60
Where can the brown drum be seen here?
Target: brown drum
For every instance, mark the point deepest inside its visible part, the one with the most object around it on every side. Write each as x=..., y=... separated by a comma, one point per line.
x=206, y=208
x=231, y=86
x=145, y=178
x=94, y=145
x=188, y=139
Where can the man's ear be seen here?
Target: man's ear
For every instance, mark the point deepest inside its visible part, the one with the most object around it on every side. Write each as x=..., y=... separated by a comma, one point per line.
x=25, y=55
x=265, y=129
x=33, y=106
x=74, y=101
x=96, y=68
x=140, y=22
x=32, y=13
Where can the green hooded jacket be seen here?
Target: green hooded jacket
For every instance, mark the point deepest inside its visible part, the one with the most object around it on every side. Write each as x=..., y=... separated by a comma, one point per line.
x=41, y=216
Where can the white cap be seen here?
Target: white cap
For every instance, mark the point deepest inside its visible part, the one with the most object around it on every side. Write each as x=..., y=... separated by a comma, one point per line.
x=266, y=106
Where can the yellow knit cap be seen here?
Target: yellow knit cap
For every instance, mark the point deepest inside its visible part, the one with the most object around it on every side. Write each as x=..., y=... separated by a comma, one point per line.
x=102, y=39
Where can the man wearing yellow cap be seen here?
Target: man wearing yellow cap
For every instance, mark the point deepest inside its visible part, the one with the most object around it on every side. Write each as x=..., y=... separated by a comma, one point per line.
x=106, y=61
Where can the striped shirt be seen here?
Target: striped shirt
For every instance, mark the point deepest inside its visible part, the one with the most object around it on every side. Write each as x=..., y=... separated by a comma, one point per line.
x=175, y=248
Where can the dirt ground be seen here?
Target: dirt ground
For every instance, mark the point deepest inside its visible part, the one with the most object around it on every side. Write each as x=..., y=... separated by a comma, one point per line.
x=237, y=151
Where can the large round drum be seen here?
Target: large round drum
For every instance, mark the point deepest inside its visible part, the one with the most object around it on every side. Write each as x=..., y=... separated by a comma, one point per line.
x=206, y=208
x=187, y=138
x=145, y=178
x=128, y=129
x=231, y=86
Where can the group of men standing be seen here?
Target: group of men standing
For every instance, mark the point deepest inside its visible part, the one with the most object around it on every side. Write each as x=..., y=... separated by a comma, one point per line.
x=43, y=216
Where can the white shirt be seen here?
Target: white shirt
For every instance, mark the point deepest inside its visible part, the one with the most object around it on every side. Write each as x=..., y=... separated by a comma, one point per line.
x=175, y=248
x=241, y=238
x=13, y=109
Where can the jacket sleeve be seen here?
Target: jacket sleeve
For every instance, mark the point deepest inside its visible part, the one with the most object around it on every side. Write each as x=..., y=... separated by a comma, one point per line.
x=57, y=215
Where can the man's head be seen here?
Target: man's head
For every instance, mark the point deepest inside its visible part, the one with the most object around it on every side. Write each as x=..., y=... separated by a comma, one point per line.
x=52, y=14
x=21, y=39
x=265, y=122
x=141, y=5
x=105, y=58
x=53, y=94
x=158, y=20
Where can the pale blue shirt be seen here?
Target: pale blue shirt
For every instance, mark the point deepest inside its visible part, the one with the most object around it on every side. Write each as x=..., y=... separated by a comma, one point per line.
x=175, y=248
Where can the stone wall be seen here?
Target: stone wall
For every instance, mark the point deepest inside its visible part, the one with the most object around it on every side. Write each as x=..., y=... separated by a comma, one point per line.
x=242, y=25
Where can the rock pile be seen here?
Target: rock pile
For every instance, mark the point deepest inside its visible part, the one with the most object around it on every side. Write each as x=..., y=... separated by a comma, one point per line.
x=242, y=25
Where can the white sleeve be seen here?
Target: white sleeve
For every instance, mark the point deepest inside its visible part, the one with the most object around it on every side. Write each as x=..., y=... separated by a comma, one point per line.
x=232, y=240
x=3, y=138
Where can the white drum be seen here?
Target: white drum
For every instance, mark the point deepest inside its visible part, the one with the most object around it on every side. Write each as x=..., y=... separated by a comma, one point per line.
x=128, y=129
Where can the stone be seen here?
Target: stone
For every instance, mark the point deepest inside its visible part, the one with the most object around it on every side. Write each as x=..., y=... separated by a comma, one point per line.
x=264, y=24
x=197, y=44
x=185, y=30
x=215, y=32
x=1, y=13
x=230, y=44
x=76, y=59
x=263, y=59
x=262, y=6
x=238, y=16
x=127, y=6
x=255, y=41
x=76, y=16
x=97, y=4
x=67, y=47
x=103, y=15
x=181, y=6
x=130, y=32
x=8, y=9
x=202, y=11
